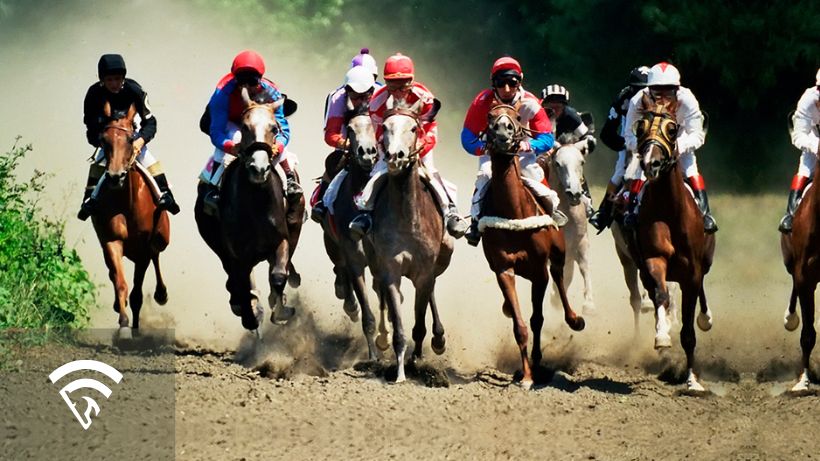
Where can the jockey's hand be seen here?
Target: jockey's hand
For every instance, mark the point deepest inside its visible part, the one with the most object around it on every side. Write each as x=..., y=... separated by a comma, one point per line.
x=343, y=144
x=524, y=146
x=139, y=143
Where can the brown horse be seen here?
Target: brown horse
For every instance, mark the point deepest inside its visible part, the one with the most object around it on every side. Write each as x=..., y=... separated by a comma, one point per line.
x=348, y=256
x=408, y=238
x=801, y=249
x=128, y=222
x=255, y=223
x=669, y=243
x=520, y=239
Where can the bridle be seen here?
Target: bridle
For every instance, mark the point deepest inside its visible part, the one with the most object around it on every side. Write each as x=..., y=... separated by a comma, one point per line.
x=129, y=133
x=660, y=130
x=414, y=153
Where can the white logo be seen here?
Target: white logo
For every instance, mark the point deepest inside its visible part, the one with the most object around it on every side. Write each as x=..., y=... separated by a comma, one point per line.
x=91, y=404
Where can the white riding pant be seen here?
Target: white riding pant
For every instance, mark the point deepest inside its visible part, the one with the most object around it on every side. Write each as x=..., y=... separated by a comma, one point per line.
x=145, y=158
x=446, y=191
x=531, y=173
x=808, y=162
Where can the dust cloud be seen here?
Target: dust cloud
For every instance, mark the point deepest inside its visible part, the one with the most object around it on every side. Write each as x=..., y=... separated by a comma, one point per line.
x=178, y=53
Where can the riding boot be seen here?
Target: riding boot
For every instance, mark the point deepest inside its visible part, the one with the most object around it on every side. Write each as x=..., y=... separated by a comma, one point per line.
x=360, y=225
x=456, y=226
x=699, y=191
x=319, y=210
x=293, y=189
x=631, y=213
x=557, y=215
x=90, y=202
x=166, y=199
x=473, y=236
x=798, y=184
x=602, y=218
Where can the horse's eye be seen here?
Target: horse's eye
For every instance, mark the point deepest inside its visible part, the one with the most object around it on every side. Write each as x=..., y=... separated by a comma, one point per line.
x=671, y=130
x=413, y=129
x=640, y=128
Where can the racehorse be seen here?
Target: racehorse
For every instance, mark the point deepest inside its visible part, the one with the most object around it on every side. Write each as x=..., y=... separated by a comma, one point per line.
x=128, y=222
x=566, y=173
x=408, y=237
x=521, y=239
x=348, y=256
x=669, y=242
x=255, y=223
x=801, y=249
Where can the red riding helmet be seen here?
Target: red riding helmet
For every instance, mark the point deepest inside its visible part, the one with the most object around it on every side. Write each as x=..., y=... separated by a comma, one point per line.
x=506, y=64
x=248, y=60
x=398, y=67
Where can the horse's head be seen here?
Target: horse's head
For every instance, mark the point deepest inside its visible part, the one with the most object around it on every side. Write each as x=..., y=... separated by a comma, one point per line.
x=504, y=130
x=402, y=137
x=259, y=130
x=117, y=143
x=362, y=136
x=657, y=131
x=568, y=162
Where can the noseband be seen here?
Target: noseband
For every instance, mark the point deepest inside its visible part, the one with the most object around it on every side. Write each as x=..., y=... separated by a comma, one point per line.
x=658, y=129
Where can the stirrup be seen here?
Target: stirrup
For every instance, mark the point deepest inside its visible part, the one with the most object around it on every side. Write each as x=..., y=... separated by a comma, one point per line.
x=318, y=212
x=456, y=226
x=559, y=217
x=88, y=208
x=293, y=188
x=166, y=202
x=360, y=226
x=473, y=236
x=786, y=224
x=709, y=224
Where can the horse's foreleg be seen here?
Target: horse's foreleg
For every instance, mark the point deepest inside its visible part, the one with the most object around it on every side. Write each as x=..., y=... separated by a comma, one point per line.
x=705, y=316
x=277, y=277
x=368, y=320
x=583, y=266
x=656, y=268
x=636, y=295
x=506, y=281
x=790, y=319
x=690, y=293
x=539, y=289
x=575, y=321
x=161, y=292
x=390, y=289
x=381, y=340
x=240, y=288
x=140, y=267
x=808, y=335
x=113, y=260
x=424, y=288
x=437, y=343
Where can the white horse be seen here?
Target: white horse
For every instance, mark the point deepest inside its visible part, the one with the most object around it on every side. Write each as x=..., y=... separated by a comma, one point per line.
x=566, y=174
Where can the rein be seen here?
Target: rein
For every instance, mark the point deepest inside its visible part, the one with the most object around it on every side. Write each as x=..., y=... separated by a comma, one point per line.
x=133, y=157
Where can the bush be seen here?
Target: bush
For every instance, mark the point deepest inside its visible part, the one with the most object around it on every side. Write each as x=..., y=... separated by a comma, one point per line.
x=43, y=285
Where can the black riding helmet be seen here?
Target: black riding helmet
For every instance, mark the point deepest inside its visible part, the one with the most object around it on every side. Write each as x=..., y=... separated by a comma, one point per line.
x=638, y=77
x=110, y=64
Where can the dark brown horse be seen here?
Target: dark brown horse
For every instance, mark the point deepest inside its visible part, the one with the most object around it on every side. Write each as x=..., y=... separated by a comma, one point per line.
x=519, y=238
x=348, y=256
x=669, y=242
x=128, y=222
x=255, y=222
x=801, y=250
x=408, y=237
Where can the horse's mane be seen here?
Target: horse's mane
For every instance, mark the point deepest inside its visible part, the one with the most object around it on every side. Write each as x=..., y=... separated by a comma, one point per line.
x=567, y=138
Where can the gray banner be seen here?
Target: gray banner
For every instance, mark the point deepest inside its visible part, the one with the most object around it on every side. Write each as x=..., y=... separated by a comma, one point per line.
x=135, y=421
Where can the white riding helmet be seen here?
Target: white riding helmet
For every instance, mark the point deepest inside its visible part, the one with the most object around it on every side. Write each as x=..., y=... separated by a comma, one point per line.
x=366, y=60
x=359, y=79
x=556, y=93
x=818, y=77
x=663, y=73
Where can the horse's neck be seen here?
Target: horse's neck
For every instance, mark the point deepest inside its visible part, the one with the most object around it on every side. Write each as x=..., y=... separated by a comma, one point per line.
x=358, y=175
x=671, y=189
x=403, y=190
x=509, y=196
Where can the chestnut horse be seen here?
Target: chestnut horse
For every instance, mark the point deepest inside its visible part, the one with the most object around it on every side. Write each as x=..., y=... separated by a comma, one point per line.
x=255, y=222
x=348, y=256
x=521, y=238
x=669, y=242
x=801, y=249
x=408, y=238
x=128, y=222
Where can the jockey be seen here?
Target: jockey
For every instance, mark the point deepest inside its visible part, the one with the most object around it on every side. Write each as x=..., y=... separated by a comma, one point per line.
x=612, y=136
x=356, y=92
x=566, y=120
x=506, y=78
x=806, y=137
x=120, y=93
x=663, y=83
x=226, y=106
x=401, y=87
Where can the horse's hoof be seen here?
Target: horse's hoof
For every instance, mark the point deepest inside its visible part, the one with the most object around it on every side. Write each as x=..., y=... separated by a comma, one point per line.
x=340, y=287
x=161, y=296
x=282, y=315
x=250, y=323
x=662, y=341
x=525, y=384
x=236, y=309
x=351, y=308
x=382, y=343
x=294, y=279
x=438, y=344
x=791, y=321
x=577, y=323
x=705, y=321
x=124, y=333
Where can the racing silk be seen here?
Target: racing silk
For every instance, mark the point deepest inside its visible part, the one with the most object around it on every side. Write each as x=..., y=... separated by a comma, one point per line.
x=689, y=117
x=612, y=131
x=570, y=122
x=418, y=92
x=335, y=127
x=226, y=105
x=131, y=93
x=806, y=133
x=532, y=117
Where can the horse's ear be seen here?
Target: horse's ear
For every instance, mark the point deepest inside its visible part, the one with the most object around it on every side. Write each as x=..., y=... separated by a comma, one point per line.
x=245, y=96
x=647, y=102
x=132, y=111
x=107, y=109
x=349, y=105
x=391, y=102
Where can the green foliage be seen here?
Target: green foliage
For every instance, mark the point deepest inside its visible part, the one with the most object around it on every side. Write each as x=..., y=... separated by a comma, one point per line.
x=42, y=283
